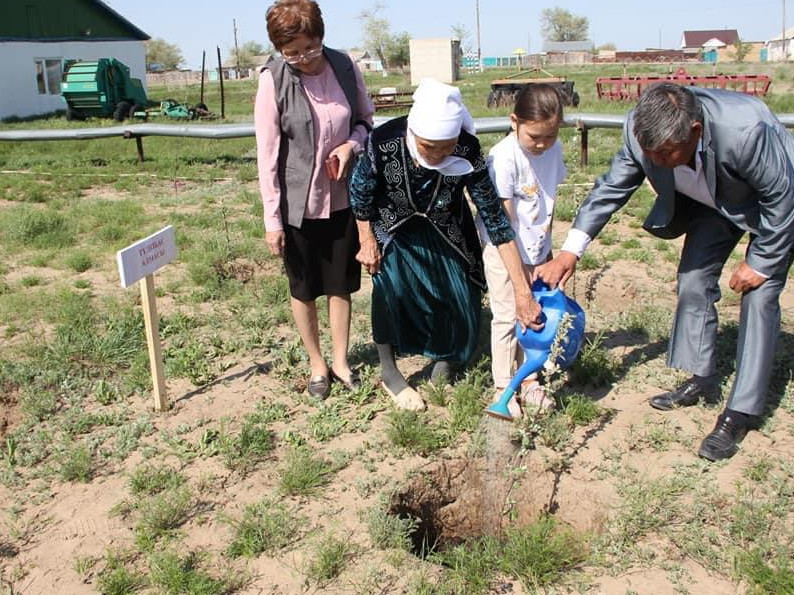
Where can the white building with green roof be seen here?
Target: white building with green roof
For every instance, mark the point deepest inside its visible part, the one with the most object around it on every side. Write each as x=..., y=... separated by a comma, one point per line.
x=37, y=36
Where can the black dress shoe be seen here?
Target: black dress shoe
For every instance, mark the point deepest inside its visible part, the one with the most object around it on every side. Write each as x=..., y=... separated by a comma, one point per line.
x=353, y=384
x=686, y=395
x=723, y=442
x=319, y=387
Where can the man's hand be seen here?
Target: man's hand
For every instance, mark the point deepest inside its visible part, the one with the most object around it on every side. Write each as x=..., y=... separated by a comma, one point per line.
x=528, y=311
x=745, y=279
x=275, y=241
x=558, y=270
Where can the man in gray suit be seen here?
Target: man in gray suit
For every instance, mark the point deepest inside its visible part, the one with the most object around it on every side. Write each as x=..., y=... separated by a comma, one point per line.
x=721, y=165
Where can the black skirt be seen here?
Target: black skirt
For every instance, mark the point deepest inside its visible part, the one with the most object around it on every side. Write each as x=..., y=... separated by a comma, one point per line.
x=320, y=257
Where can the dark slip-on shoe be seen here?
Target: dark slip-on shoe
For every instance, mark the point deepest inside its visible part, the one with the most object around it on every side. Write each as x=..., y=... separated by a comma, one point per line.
x=723, y=441
x=686, y=395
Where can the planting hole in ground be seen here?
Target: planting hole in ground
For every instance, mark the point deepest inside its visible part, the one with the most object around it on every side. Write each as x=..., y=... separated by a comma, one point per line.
x=455, y=500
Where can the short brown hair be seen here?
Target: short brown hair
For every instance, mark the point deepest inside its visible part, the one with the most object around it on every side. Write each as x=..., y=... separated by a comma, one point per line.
x=538, y=102
x=286, y=19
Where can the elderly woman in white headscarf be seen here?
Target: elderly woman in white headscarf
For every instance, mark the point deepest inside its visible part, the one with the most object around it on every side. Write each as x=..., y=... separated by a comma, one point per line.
x=418, y=238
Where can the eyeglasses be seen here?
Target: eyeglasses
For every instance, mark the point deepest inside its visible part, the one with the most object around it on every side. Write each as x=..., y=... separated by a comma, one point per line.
x=306, y=56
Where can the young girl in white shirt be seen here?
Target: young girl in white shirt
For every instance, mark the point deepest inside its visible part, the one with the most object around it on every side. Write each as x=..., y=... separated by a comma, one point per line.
x=526, y=167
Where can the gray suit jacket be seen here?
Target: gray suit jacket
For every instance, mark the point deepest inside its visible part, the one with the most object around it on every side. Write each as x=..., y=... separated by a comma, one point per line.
x=747, y=157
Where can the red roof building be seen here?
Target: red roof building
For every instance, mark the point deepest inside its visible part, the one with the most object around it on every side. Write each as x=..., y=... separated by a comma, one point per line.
x=696, y=39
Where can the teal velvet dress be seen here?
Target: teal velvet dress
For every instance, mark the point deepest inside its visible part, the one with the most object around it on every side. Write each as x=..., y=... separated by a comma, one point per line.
x=427, y=297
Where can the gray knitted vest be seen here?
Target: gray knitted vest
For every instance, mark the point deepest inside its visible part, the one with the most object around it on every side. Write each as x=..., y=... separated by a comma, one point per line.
x=296, y=153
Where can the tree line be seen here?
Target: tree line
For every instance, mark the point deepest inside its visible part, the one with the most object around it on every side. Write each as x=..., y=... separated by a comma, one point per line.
x=392, y=49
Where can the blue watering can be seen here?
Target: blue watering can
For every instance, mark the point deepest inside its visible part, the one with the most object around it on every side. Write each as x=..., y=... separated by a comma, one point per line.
x=537, y=344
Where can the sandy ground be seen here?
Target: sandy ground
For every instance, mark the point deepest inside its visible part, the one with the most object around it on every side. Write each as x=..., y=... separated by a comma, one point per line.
x=65, y=522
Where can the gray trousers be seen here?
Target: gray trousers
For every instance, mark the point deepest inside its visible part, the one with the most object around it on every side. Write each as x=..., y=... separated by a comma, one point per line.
x=710, y=239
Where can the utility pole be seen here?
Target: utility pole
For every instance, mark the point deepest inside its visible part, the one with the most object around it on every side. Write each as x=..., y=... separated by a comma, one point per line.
x=783, y=35
x=479, y=51
x=236, y=51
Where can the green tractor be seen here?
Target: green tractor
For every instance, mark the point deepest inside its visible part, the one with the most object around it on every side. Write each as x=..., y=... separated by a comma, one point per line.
x=101, y=88
x=104, y=88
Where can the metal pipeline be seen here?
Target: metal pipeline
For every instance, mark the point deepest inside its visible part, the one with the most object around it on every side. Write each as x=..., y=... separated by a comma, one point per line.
x=221, y=131
x=581, y=121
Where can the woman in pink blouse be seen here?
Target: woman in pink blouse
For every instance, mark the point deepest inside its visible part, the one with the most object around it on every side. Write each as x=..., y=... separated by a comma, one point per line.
x=312, y=116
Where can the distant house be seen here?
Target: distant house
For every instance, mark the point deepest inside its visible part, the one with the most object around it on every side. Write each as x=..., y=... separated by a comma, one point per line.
x=437, y=58
x=36, y=36
x=756, y=52
x=259, y=61
x=358, y=55
x=568, y=52
x=781, y=47
x=365, y=61
x=252, y=68
x=691, y=40
x=559, y=47
x=714, y=44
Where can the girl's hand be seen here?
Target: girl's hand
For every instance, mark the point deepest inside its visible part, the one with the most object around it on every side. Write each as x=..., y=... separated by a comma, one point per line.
x=528, y=312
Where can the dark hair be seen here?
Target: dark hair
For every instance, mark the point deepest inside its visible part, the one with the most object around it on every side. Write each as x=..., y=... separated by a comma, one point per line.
x=286, y=19
x=537, y=103
x=665, y=112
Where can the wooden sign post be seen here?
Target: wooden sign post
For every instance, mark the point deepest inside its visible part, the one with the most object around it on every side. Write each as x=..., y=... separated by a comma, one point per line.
x=138, y=262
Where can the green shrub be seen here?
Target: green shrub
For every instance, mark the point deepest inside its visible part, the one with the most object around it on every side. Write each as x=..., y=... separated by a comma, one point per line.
x=766, y=576
x=389, y=531
x=265, y=527
x=148, y=480
x=37, y=228
x=539, y=554
x=79, y=261
x=595, y=366
x=411, y=431
x=302, y=473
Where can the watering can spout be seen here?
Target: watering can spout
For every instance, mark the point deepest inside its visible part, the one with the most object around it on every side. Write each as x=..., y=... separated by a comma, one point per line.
x=533, y=361
x=537, y=344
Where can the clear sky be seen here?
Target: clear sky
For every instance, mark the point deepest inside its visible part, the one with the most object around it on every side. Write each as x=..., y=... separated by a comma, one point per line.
x=505, y=25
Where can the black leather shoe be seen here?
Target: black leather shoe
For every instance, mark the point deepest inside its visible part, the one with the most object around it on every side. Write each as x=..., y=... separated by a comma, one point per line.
x=723, y=442
x=319, y=387
x=686, y=395
x=353, y=384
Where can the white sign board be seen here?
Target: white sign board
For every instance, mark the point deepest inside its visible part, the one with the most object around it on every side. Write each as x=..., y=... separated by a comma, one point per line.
x=146, y=256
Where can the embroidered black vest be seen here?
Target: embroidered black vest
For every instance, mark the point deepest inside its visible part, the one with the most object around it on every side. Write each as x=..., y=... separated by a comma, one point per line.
x=447, y=210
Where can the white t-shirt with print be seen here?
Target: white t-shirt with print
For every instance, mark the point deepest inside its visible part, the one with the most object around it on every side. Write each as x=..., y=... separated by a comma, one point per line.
x=530, y=181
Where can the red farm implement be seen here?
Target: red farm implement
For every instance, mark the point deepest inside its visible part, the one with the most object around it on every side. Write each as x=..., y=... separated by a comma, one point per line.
x=629, y=87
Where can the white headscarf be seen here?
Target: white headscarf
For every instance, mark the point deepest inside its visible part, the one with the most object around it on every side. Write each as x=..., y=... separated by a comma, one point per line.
x=438, y=113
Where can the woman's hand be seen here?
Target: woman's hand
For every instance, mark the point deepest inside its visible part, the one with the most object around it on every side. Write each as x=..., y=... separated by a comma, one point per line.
x=369, y=255
x=275, y=241
x=344, y=153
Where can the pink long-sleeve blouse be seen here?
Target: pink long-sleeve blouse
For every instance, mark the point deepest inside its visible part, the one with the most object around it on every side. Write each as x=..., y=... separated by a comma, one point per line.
x=331, y=120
